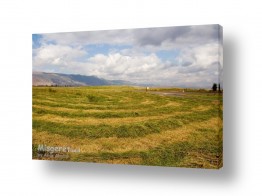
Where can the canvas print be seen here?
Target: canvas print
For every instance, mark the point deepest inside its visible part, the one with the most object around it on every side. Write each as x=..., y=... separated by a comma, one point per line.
x=147, y=96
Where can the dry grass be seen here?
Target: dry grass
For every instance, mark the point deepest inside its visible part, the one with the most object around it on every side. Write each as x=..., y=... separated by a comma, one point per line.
x=96, y=121
x=173, y=104
x=128, y=160
x=114, y=144
x=201, y=108
x=64, y=109
x=122, y=126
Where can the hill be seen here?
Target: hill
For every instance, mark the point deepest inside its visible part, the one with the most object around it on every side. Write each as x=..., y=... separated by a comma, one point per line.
x=58, y=79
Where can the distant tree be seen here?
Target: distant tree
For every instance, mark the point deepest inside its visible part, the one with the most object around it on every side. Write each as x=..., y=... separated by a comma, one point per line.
x=214, y=87
x=219, y=89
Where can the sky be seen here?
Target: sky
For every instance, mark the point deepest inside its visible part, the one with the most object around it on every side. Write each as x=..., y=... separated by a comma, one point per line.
x=183, y=56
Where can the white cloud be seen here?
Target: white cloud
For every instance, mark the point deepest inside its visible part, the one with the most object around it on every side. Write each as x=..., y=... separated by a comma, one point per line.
x=194, y=67
x=90, y=37
x=151, y=39
x=202, y=67
x=56, y=55
x=118, y=66
x=199, y=62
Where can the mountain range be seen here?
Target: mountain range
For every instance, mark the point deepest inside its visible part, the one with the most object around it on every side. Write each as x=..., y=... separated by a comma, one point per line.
x=59, y=79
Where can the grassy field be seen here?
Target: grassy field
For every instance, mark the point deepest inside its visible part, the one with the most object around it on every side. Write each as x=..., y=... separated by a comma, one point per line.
x=126, y=125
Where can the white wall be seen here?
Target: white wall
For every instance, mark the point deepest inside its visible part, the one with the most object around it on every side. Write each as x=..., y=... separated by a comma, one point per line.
x=242, y=172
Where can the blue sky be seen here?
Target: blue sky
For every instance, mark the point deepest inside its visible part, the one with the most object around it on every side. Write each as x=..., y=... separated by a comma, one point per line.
x=188, y=56
x=93, y=49
x=36, y=40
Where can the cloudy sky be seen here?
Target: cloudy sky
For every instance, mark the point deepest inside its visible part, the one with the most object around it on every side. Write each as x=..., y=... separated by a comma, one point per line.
x=187, y=56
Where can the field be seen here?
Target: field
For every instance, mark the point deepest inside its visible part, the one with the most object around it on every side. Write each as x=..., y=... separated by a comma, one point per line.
x=128, y=125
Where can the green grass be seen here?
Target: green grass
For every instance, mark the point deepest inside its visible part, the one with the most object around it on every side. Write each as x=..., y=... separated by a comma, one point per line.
x=95, y=118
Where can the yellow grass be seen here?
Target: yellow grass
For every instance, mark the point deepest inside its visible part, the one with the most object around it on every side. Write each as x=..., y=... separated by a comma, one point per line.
x=114, y=144
x=201, y=108
x=96, y=121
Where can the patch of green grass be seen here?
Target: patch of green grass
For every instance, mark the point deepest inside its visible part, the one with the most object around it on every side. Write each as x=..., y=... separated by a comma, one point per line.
x=95, y=98
x=34, y=150
x=51, y=90
x=103, y=156
x=122, y=130
x=103, y=130
x=195, y=152
x=166, y=155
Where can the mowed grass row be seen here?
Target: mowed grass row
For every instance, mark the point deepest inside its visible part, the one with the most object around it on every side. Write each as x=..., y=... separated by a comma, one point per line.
x=120, y=129
x=139, y=104
x=95, y=113
x=90, y=98
x=135, y=129
x=194, y=145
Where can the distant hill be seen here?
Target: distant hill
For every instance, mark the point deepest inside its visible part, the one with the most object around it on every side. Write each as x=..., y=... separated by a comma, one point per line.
x=58, y=79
